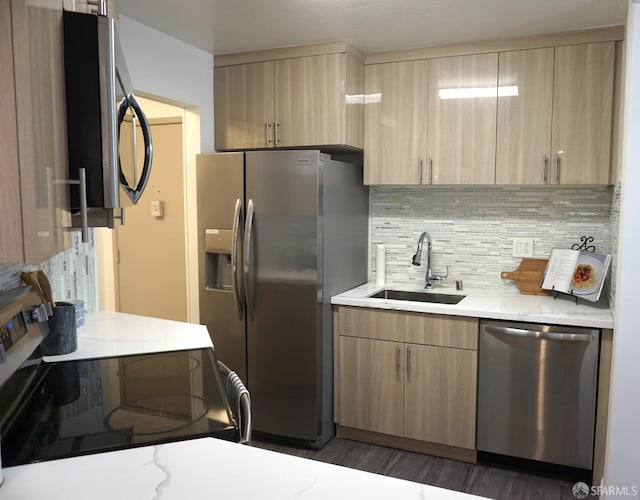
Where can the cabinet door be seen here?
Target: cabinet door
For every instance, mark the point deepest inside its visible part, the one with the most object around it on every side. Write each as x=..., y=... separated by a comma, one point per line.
x=461, y=126
x=525, y=97
x=371, y=385
x=395, y=117
x=440, y=395
x=309, y=100
x=582, y=110
x=11, y=248
x=42, y=140
x=244, y=106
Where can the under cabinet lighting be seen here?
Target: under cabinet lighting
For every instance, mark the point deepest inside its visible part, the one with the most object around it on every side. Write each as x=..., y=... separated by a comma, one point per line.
x=473, y=92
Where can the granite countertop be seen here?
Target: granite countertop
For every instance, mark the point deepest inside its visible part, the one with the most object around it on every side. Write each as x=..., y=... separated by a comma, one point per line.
x=106, y=334
x=489, y=303
x=203, y=469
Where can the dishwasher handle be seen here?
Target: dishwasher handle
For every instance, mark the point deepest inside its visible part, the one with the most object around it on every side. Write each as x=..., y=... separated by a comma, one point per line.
x=535, y=334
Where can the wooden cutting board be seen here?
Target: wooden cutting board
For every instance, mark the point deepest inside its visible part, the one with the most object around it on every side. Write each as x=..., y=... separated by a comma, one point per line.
x=528, y=276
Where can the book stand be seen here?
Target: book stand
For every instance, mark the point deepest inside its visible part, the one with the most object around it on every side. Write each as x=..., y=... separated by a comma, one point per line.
x=556, y=294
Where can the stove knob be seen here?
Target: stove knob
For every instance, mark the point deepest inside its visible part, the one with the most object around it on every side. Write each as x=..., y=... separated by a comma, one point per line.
x=39, y=313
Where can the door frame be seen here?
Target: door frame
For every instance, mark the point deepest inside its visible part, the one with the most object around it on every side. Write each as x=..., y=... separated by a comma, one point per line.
x=106, y=244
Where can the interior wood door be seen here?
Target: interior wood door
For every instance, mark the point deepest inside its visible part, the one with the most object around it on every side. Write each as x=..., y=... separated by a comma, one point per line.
x=151, y=251
x=525, y=98
x=395, y=117
x=440, y=395
x=461, y=126
x=582, y=111
x=309, y=100
x=371, y=385
x=244, y=104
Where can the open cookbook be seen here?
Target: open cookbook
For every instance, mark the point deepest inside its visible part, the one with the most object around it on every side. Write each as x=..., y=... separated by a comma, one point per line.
x=578, y=273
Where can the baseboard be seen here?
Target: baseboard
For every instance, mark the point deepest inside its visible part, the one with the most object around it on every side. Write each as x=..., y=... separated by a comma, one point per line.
x=439, y=450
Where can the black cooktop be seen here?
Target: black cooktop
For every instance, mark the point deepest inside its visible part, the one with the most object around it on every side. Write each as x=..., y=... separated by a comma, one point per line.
x=80, y=407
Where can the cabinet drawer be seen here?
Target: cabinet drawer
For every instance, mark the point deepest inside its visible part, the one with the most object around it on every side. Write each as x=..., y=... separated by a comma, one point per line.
x=442, y=330
x=415, y=328
x=372, y=323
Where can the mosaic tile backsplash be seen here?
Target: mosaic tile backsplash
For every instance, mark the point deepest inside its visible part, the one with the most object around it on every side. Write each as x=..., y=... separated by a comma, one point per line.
x=472, y=227
x=72, y=273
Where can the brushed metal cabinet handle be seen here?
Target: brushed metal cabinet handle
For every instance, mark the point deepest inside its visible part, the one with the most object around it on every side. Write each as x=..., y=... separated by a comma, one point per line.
x=397, y=359
x=408, y=360
x=545, y=169
x=558, y=168
x=430, y=171
x=267, y=126
x=420, y=171
x=277, y=129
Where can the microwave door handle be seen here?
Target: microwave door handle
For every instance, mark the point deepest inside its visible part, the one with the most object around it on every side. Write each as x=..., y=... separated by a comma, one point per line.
x=134, y=193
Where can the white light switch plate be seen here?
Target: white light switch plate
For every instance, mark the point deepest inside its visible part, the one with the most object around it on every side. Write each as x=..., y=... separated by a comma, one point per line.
x=523, y=247
x=157, y=208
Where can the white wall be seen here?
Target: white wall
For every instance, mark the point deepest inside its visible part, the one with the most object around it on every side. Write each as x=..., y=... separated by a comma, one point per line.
x=622, y=465
x=171, y=69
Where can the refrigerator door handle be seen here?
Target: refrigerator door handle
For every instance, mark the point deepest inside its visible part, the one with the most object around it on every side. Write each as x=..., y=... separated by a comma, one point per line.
x=237, y=291
x=246, y=258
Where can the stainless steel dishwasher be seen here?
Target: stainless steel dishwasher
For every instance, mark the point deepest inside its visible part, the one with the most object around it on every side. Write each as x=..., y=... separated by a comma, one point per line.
x=537, y=392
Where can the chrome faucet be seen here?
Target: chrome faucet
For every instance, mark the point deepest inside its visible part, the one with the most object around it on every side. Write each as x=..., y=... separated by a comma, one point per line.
x=430, y=277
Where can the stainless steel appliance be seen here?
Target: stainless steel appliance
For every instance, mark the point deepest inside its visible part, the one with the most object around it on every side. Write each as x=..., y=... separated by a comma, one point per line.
x=537, y=392
x=280, y=232
x=64, y=409
x=101, y=106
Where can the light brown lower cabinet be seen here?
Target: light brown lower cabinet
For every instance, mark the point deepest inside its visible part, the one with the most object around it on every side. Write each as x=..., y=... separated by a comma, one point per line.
x=397, y=388
x=440, y=395
x=371, y=385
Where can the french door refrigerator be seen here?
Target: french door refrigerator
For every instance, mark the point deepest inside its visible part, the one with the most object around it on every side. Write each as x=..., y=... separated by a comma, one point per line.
x=280, y=232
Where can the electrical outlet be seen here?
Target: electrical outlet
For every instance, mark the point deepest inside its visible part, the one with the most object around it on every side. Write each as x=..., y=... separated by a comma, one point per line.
x=523, y=247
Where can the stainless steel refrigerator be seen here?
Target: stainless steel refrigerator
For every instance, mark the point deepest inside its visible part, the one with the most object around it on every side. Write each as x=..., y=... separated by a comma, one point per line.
x=280, y=232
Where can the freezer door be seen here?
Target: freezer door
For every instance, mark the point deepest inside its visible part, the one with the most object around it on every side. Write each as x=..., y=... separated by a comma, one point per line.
x=283, y=290
x=220, y=181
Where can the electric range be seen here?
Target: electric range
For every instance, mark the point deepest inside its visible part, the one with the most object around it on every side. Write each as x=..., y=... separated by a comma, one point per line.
x=64, y=409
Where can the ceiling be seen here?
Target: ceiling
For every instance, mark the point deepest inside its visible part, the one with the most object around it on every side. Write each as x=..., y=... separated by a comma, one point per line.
x=224, y=26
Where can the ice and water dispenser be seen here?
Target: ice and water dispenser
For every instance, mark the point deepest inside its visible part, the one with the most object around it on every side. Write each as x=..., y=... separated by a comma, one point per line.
x=217, y=259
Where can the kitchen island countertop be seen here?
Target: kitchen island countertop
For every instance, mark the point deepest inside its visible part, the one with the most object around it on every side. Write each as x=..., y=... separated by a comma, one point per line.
x=204, y=468
x=107, y=334
x=489, y=303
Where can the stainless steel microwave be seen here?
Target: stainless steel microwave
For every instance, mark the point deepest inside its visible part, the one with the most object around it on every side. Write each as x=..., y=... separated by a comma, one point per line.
x=104, y=120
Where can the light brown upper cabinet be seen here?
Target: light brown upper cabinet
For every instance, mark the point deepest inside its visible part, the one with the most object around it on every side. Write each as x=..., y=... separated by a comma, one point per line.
x=33, y=132
x=431, y=122
x=525, y=98
x=582, y=113
x=461, y=119
x=290, y=101
x=555, y=115
x=244, y=107
x=395, y=140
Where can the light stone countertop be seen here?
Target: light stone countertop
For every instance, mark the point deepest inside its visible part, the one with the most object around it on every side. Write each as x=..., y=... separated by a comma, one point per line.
x=489, y=303
x=205, y=468
x=106, y=334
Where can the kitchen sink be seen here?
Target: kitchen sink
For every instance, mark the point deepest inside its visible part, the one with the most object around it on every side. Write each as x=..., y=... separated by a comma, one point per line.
x=436, y=298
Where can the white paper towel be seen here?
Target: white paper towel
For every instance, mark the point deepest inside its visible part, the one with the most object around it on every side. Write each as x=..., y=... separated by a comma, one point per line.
x=380, y=265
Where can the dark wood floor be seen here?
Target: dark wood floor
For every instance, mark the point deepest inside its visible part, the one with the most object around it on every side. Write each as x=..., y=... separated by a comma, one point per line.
x=482, y=479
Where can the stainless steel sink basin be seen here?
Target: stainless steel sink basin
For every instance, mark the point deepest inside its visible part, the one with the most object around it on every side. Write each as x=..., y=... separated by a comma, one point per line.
x=436, y=298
